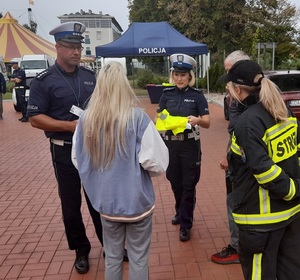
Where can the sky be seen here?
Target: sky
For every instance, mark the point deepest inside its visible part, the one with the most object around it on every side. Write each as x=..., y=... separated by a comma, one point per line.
x=45, y=13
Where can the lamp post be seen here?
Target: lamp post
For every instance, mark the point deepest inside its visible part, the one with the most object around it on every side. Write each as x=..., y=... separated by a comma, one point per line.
x=265, y=46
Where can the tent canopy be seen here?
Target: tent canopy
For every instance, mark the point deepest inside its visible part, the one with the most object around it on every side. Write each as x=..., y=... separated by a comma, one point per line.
x=16, y=40
x=151, y=39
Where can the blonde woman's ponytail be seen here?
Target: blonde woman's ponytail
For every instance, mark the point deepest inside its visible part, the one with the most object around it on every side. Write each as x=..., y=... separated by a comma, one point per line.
x=270, y=97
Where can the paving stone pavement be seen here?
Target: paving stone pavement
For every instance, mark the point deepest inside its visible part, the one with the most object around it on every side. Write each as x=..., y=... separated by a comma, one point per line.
x=32, y=241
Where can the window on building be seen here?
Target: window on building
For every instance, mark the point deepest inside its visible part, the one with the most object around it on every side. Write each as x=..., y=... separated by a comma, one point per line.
x=88, y=51
x=98, y=35
x=87, y=39
x=92, y=23
x=105, y=23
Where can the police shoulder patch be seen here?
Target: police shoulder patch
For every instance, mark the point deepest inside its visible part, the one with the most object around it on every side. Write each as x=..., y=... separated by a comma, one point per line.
x=86, y=69
x=196, y=89
x=168, y=89
x=43, y=74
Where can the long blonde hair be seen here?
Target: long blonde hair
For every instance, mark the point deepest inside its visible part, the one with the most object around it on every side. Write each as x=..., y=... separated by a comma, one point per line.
x=107, y=115
x=269, y=96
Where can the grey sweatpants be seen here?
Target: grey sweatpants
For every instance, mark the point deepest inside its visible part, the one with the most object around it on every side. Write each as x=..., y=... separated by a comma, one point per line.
x=137, y=237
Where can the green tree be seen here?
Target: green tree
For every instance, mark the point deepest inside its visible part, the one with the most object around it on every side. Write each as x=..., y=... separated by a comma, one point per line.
x=227, y=25
x=273, y=21
x=216, y=23
x=147, y=11
x=32, y=27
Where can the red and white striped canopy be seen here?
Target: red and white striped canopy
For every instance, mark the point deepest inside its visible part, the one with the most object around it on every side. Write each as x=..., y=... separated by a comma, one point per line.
x=16, y=40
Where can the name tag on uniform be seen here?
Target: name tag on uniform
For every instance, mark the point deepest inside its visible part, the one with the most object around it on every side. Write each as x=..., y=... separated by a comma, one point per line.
x=76, y=110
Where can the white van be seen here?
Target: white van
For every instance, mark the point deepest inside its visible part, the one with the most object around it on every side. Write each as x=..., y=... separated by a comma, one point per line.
x=32, y=64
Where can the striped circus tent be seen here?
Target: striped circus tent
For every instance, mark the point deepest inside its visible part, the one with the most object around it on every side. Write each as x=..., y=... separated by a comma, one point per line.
x=16, y=40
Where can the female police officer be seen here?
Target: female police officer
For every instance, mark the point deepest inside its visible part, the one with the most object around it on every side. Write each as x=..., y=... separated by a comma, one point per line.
x=264, y=163
x=184, y=148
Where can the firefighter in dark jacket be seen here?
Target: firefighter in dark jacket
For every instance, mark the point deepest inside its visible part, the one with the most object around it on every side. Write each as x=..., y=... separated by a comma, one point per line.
x=184, y=148
x=266, y=176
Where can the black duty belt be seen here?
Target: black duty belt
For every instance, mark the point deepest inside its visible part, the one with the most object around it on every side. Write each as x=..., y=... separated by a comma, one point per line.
x=19, y=87
x=61, y=142
x=178, y=137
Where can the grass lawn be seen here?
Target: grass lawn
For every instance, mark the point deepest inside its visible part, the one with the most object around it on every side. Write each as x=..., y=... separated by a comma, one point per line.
x=7, y=96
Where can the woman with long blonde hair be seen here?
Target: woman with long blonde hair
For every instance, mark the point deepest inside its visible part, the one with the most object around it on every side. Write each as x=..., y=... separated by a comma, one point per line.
x=117, y=149
x=266, y=176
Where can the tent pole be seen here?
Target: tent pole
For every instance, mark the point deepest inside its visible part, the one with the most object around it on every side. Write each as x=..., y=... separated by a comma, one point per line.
x=207, y=57
x=132, y=71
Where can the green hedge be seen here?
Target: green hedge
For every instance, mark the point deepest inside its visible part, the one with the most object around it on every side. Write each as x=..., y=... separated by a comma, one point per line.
x=215, y=72
x=146, y=76
x=9, y=86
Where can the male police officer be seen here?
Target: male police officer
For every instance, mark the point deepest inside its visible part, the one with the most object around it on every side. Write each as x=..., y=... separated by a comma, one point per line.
x=52, y=95
x=19, y=79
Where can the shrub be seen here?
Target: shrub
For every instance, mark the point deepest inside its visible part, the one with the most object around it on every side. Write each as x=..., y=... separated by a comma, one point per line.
x=146, y=76
x=215, y=72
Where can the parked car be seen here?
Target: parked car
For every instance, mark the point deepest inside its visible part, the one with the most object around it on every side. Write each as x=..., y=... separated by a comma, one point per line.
x=289, y=83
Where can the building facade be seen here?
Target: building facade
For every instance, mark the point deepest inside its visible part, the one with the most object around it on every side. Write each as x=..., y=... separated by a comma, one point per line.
x=101, y=29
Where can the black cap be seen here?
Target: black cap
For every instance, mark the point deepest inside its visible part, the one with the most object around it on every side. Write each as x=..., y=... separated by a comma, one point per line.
x=243, y=72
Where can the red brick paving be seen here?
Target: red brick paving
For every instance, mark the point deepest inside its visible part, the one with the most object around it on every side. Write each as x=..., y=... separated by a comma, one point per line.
x=32, y=241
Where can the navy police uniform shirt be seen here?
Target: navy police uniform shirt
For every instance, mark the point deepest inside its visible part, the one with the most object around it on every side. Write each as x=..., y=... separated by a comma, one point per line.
x=183, y=102
x=20, y=74
x=53, y=92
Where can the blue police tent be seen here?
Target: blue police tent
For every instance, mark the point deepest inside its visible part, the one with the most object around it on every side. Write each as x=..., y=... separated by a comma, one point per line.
x=151, y=39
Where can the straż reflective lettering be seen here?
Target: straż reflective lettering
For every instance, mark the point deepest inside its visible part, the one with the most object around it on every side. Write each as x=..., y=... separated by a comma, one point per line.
x=287, y=145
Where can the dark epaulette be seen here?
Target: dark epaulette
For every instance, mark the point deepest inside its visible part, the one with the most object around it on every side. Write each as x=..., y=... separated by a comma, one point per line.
x=168, y=89
x=40, y=76
x=87, y=69
x=199, y=90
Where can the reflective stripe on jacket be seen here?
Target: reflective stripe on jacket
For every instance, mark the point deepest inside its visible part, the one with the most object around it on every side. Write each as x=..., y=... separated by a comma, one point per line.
x=265, y=168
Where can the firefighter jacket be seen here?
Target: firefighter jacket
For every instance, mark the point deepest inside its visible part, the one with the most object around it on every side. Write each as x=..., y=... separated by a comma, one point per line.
x=264, y=166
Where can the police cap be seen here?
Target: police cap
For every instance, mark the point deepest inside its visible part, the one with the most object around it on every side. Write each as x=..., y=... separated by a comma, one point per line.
x=70, y=32
x=182, y=62
x=13, y=62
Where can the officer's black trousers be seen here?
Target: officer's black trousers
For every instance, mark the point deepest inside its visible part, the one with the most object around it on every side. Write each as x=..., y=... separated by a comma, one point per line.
x=183, y=173
x=21, y=100
x=273, y=255
x=69, y=188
